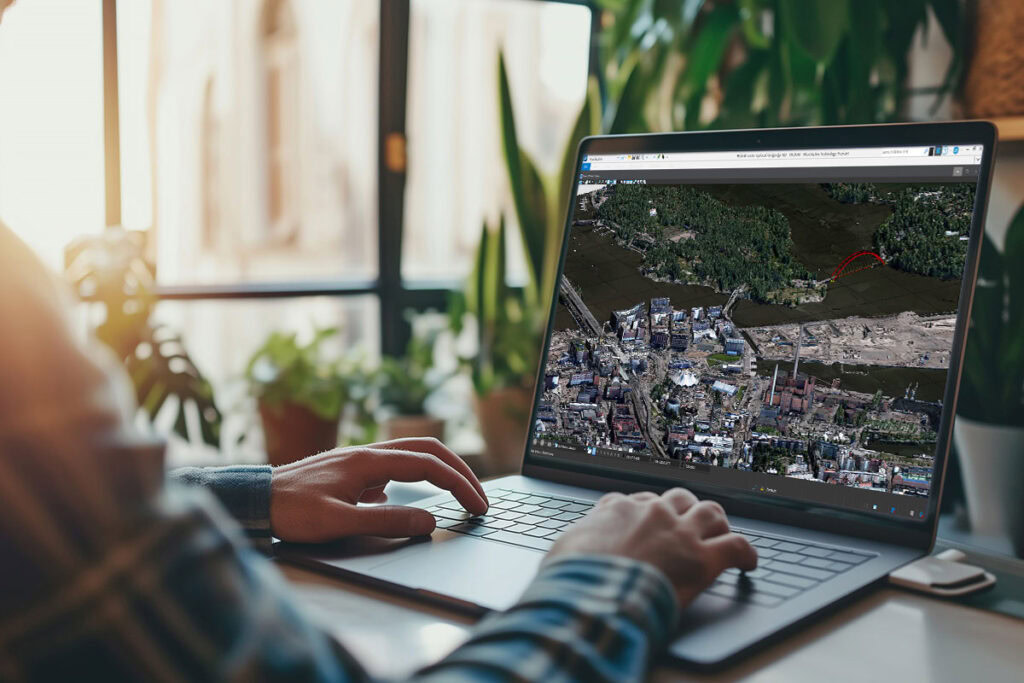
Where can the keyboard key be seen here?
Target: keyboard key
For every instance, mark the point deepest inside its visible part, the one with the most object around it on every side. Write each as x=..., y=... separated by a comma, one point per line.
x=764, y=543
x=533, y=500
x=443, y=523
x=578, y=507
x=761, y=586
x=789, y=547
x=788, y=557
x=817, y=562
x=497, y=523
x=839, y=566
x=726, y=577
x=503, y=505
x=763, y=599
x=525, y=508
x=537, y=531
x=553, y=524
x=472, y=529
x=451, y=505
x=568, y=516
x=815, y=551
x=450, y=514
x=756, y=573
x=554, y=504
x=742, y=593
x=765, y=553
x=852, y=558
x=519, y=528
x=799, y=570
x=518, y=497
x=788, y=580
x=525, y=541
x=546, y=512
x=507, y=514
x=532, y=520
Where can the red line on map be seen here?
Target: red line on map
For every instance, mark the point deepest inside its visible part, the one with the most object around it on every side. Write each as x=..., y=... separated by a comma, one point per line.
x=838, y=272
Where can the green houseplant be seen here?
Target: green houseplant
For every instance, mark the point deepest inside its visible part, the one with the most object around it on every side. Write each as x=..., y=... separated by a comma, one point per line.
x=406, y=382
x=989, y=430
x=111, y=269
x=301, y=396
x=764, y=63
x=510, y=320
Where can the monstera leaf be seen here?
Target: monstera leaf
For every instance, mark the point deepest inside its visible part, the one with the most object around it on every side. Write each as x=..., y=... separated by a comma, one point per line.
x=110, y=270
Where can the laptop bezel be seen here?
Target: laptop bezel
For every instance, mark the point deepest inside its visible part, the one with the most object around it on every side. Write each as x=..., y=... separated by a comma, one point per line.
x=864, y=524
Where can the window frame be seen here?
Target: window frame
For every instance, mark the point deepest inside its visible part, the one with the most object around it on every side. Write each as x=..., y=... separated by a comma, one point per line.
x=395, y=294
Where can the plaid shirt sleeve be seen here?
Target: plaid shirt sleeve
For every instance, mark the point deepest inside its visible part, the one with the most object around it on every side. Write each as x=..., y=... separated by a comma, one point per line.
x=244, y=490
x=111, y=572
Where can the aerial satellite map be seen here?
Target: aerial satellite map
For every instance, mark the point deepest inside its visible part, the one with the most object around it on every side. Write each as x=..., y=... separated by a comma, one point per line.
x=799, y=330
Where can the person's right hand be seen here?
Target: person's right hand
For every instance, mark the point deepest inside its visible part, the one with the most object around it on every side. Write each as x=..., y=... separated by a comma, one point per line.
x=687, y=539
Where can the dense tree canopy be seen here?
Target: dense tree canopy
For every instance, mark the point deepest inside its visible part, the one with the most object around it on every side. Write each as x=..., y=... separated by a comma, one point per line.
x=694, y=238
x=923, y=233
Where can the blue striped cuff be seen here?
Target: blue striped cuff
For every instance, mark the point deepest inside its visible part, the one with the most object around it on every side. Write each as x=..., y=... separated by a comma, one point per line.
x=243, y=489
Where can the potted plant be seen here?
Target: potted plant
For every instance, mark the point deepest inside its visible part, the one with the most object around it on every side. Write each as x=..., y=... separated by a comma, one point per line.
x=510, y=320
x=406, y=383
x=989, y=428
x=110, y=270
x=301, y=396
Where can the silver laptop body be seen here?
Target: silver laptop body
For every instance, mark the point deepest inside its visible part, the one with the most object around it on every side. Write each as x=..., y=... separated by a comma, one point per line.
x=816, y=424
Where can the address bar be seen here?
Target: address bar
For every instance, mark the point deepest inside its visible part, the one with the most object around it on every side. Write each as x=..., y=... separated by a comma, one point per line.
x=783, y=163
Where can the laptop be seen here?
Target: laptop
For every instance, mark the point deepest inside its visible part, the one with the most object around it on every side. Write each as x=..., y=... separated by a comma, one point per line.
x=773, y=319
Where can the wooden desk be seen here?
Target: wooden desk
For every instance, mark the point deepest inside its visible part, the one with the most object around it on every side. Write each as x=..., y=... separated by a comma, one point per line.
x=888, y=635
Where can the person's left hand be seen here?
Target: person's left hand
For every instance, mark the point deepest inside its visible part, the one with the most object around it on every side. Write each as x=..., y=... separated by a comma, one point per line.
x=314, y=499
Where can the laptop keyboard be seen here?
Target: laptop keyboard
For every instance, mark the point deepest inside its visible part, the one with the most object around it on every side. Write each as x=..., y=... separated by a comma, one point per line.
x=786, y=568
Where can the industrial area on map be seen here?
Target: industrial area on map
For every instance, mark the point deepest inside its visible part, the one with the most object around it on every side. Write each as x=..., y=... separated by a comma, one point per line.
x=799, y=330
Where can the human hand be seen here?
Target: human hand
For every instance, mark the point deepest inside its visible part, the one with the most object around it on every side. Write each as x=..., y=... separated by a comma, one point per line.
x=689, y=541
x=314, y=499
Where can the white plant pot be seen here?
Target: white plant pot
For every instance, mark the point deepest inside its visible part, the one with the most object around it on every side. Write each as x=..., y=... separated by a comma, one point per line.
x=992, y=464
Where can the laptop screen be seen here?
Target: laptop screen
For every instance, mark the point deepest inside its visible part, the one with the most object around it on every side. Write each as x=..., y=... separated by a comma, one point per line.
x=777, y=322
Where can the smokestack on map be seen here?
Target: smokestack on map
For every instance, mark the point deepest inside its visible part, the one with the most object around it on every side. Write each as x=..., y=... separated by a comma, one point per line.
x=771, y=397
x=796, y=358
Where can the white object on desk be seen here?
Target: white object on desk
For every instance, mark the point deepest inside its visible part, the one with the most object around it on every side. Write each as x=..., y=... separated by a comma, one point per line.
x=944, y=575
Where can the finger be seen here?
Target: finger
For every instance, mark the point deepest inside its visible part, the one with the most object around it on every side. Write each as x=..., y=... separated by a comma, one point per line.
x=436, y=448
x=644, y=496
x=732, y=550
x=609, y=498
x=680, y=499
x=392, y=521
x=395, y=465
x=373, y=495
x=708, y=517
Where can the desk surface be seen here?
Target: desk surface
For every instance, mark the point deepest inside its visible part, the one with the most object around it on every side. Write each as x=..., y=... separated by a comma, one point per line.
x=888, y=635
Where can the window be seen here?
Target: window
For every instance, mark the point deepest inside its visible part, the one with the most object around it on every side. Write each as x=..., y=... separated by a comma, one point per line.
x=456, y=164
x=210, y=171
x=283, y=95
x=288, y=191
x=51, y=123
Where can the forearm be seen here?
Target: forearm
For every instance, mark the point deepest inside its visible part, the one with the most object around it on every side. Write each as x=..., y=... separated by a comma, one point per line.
x=243, y=489
x=585, y=617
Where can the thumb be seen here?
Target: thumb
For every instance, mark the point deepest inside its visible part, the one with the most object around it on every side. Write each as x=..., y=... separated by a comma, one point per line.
x=393, y=521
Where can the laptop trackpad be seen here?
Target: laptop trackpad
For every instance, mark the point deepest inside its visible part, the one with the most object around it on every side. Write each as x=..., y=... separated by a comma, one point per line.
x=492, y=575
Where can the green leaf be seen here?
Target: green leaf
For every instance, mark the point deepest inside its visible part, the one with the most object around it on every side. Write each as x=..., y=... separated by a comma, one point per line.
x=627, y=116
x=588, y=122
x=741, y=92
x=705, y=53
x=816, y=26
x=527, y=188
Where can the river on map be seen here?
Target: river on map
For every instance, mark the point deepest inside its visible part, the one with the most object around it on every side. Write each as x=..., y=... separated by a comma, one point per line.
x=824, y=233
x=867, y=379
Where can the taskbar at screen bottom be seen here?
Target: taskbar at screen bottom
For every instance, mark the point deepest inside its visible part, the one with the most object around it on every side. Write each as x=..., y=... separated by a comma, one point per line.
x=905, y=505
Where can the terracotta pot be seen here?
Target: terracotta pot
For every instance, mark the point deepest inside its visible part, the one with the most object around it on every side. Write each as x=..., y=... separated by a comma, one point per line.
x=993, y=84
x=406, y=426
x=292, y=432
x=504, y=417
